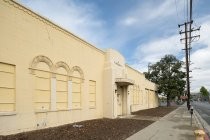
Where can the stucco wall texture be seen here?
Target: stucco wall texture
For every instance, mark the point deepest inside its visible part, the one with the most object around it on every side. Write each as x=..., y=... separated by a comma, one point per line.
x=50, y=77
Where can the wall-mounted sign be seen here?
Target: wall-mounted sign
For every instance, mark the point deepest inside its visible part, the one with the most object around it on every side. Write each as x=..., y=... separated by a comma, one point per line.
x=118, y=63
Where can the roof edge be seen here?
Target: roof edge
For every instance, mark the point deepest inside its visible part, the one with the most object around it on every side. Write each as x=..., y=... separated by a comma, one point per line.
x=134, y=69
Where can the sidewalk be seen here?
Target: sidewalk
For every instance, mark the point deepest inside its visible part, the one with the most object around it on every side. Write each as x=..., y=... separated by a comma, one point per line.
x=174, y=126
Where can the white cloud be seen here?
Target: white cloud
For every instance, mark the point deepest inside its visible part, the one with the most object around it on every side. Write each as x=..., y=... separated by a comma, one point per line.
x=201, y=59
x=153, y=51
x=130, y=21
x=150, y=13
x=79, y=18
x=83, y=19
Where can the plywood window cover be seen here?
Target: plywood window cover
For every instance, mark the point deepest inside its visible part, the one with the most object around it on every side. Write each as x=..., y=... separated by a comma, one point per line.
x=8, y=113
x=92, y=83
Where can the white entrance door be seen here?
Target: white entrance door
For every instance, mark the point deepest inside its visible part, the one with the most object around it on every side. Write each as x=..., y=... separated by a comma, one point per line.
x=119, y=100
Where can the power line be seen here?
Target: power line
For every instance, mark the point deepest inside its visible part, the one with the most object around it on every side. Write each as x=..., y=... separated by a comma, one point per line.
x=177, y=12
x=184, y=10
x=187, y=11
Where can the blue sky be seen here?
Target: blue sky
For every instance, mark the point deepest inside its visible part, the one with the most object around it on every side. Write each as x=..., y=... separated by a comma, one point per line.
x=142, y=30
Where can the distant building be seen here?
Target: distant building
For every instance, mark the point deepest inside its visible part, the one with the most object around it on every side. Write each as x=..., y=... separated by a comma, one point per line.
x=50, y=77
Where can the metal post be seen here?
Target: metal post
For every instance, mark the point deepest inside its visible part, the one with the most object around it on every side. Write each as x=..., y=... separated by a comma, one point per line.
x=187, y=66
x=191, y=112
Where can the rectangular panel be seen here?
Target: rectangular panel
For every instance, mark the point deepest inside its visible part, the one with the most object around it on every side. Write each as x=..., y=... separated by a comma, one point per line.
x=43, y=84
x=76, y=97
x=7, y=68
x=43, y=74
x=42, y=106
x=131, y=99
x=92, y=83
x=61, y=97
x=7, y=107
x=42, y=96
x=76, y=80
x=61, y=85
x=7, y=95
x=7, y=80
x=61, y=106
x=76, y=105
x=131, y=90
x=135, y=99
x=61, y=77
x=92, y=104
x=92, y=97
x=76, y=87
x=92, y=89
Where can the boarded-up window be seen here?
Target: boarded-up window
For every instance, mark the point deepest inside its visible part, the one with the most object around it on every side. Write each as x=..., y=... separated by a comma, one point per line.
x=92, y=94
x=135, y=94
x=42, y=90
x=76, y=92
x=7, y=87
x=147, y=96
x=141, y=97
x=61, y=92
x=130, y=88
x=152, y=98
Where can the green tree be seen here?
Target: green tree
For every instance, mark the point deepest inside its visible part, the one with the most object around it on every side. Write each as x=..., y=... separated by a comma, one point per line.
x=168, y=76
x=204, y=92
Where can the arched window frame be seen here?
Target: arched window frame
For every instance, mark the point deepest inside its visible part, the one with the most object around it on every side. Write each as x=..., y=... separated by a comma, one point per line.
x=33, y=67
x=38, y=59
x=79, y=70
x=58, y=65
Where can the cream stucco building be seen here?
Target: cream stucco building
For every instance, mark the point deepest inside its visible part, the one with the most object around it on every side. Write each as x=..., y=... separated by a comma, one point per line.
x=50, y=77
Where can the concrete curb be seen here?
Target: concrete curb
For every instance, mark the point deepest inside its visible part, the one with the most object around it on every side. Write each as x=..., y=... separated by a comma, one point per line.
x=201, y=122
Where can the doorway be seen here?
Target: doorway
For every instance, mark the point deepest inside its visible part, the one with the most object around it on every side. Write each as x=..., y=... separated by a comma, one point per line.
x=119, y=101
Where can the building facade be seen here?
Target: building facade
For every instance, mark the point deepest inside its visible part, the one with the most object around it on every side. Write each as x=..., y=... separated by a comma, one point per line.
x=50, y=77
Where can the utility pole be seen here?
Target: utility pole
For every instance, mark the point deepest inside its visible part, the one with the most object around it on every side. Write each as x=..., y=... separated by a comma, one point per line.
x=187, y=64
x=190, y=28
x=188, y=39
x=148, y=67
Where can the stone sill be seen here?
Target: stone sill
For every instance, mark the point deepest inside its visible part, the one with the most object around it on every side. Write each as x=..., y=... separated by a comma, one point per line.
x=92, y=107
x=8, y=113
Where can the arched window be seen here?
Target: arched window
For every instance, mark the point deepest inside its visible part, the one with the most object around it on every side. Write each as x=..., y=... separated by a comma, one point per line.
x=77, y=78
x=42, y=69
x=62, y=71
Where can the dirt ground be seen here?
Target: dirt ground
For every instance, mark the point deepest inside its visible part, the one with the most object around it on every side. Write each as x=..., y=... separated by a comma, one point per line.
x=155, y=112
x=98, y=129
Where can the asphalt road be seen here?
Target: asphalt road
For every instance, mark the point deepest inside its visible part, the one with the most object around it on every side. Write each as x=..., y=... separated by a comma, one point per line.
x=203, y=108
